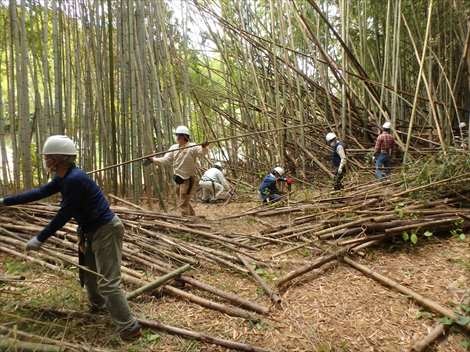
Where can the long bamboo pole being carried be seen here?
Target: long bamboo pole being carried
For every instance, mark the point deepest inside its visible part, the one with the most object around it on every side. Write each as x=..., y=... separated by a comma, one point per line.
x=196, y=145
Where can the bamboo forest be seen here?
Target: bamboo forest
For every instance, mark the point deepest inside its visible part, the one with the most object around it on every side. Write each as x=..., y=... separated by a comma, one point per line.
x=248, y=175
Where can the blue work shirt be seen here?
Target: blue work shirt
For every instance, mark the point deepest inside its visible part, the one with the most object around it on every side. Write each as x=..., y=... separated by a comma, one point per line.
x=82, y=200
x=268, y=186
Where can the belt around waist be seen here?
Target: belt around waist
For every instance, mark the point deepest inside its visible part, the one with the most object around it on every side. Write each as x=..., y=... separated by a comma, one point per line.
x=206, y=179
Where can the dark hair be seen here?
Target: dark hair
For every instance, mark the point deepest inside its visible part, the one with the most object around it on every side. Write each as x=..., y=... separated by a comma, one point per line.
x=66, y=159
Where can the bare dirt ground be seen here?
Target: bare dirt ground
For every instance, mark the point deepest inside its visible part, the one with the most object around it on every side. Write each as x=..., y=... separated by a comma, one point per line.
x=339, y=310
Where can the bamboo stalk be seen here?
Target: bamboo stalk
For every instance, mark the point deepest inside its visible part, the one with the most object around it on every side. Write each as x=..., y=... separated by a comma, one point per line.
x=197, y=145
x=275, y=298
x=159, y=282
x=10, y=344
x=425, y=302
x=232, y=311
x=156, y=325
x=436, y=332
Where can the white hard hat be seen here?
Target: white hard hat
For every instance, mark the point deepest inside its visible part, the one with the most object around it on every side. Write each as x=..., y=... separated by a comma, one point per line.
x=330, y=136
x=387, y=125
x=462, y=125
x=182, y=130
x=59, y=145
x=279, y=170
x=218, y=165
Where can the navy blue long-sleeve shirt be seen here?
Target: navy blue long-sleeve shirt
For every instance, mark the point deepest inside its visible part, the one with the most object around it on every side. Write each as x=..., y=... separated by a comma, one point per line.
x=268, y=186
x=82, y=200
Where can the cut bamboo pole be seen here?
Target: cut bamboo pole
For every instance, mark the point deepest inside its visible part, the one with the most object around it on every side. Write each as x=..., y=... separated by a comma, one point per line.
x=159, y=282
x=28, y=258
x=275, y=298
x=309, y=267
x=436, y=332
x=152, y=324
x=232, y=311
x=425, y=302
x=9, y=344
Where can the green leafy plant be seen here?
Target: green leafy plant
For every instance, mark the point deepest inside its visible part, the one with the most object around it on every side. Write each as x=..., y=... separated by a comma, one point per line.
x=428, y=233
x=423, y=314
x=445, y=321
x=411, y=237
x=465, y=344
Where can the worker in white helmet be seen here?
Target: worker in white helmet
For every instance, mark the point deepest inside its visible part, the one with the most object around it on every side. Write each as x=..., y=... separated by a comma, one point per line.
x=383, y=151
x=214, y=185
x=184, y=164
x=338, y=159
x=268, y=190
x=101, y=231
x=462, y=138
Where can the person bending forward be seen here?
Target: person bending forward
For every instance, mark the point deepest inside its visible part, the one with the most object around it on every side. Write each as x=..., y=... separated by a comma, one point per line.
x=101, y=231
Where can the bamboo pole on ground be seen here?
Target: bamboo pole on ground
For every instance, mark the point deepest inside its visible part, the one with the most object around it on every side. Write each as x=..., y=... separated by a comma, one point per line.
x=309, y=267
x=159, y=282
x=156, y=325
x=425, y=302
x=436, y=332
x=10, y=344
x=275, y=298
x=232, y=311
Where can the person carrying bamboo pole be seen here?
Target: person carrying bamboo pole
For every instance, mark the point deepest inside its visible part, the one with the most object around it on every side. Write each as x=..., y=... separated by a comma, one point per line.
x=383, y=152
x=184, y=163
x=338, y=159
x=101, y=231
x=214, y=185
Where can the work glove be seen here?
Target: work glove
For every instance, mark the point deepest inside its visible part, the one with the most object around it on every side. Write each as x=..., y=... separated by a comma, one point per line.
x=373, y=159
x=205, y=144
x=340, y=171
x=290, y=180
x=1, y=202
x=33, y=244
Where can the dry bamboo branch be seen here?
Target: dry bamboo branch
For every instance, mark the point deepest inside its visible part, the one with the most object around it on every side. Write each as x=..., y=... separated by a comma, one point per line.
x=275, y=298
x=9, y=344
x=425, y=302
x=159, y=282
x=200, y=336
x=436, y=332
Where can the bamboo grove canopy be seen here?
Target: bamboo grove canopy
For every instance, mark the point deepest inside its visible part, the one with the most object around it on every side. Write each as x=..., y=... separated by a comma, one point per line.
x=118, y=76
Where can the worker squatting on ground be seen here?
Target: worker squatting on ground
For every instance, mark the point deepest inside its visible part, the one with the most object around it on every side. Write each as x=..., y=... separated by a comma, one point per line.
x=101, y=231
x=383, y=152
x=268, y=188
x=214, y=185
x=338, y=159
x=184, y=163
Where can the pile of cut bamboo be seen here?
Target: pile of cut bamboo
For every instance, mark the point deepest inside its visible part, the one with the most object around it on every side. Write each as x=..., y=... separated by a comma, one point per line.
x=157, y=248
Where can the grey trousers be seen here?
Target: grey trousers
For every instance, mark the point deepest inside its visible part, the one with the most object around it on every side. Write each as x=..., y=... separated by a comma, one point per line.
x=104, y=257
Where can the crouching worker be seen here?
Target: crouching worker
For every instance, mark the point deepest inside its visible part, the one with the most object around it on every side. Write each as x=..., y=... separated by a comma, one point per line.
x=268, y=190
x=338, y=159
x=101, y=231
x=214, y=184
x=183, y=156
